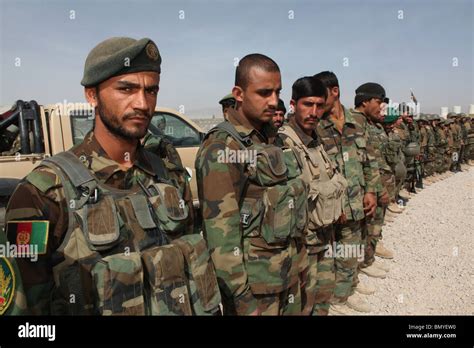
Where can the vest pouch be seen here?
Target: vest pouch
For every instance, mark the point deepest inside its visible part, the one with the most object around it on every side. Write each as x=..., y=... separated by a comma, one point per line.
x=270, y=166
x=101, y=224
x=166, y=285
x=171, y=210
x=361, y=149
x=251, y=216
x=325, y=201
x=199, y=270
x=118, y=281
x=280, y=214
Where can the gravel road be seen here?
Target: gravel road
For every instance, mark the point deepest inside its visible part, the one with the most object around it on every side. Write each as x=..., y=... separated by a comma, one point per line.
x=433, y=240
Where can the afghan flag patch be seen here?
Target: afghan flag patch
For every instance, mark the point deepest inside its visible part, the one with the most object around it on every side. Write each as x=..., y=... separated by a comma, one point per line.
x=32, y=233
x=7, y=284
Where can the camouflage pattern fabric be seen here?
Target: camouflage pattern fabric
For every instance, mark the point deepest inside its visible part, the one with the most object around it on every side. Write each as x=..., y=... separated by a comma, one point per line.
x=349, y=149
x=105, y=248
x=254, y=267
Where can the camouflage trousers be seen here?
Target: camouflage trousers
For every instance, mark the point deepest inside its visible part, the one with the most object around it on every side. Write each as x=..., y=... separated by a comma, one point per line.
x=455, y=158
x=321, y=275
x=348, y=243
x=287, y=302
x=388, y=180
x=439, y=163
x=371, y=234
x=447, y=161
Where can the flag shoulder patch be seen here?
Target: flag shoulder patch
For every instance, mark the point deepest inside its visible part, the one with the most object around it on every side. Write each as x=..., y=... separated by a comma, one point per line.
x=29, y=232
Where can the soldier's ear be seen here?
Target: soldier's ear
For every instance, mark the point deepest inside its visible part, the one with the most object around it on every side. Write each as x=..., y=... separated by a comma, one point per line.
x=292, y=106
x=91, y=95
x=238, y=92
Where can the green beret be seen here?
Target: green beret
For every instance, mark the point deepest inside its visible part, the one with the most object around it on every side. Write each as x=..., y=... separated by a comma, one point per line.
x=227, y=100
x=118, y=56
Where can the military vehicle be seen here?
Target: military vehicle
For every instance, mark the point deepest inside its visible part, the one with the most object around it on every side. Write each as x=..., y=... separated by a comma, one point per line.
x=29, y=132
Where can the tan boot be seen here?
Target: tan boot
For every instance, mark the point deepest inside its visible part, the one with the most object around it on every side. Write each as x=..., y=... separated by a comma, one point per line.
x=383, y=252
x=471, y=162
x=388, y=218
x=374, y=272
x=394, y=208
x=404, y=194
x=365, y=289
x=338, y=309
x=358, y=303
x=381, y=266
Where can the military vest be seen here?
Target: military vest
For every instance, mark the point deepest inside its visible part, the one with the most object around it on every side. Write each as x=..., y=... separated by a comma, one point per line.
x=326, y=185
x=123, y=253
x=273, y=213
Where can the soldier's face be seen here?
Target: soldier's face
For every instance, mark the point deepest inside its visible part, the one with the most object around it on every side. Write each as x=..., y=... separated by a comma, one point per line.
x=373, y=108
x=259, y=99
x=126, y=103
x=333, y=95
x=278, y=118
x=308, y=111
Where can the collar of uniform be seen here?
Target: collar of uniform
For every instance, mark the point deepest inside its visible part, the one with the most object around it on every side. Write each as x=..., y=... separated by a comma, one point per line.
x=326, y=121
x=308, y=141
x=96, y=159
x=243, y=126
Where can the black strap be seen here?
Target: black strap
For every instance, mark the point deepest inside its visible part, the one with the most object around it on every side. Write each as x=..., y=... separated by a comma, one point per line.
x=157, y=165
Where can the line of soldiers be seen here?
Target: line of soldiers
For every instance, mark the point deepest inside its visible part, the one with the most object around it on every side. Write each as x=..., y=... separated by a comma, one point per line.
x=291, y=215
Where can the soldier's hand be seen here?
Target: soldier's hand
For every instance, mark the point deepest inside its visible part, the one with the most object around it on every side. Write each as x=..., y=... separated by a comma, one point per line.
x=342, y=219
x=384, y=199
x=370, y=203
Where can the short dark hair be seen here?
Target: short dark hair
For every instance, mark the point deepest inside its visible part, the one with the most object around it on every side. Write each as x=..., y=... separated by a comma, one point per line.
x=308, y=86
x=281, y=106
x=254, y=60
x=328, y=78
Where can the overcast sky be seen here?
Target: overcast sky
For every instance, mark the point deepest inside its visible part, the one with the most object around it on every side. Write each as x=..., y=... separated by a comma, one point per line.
x=424, y=45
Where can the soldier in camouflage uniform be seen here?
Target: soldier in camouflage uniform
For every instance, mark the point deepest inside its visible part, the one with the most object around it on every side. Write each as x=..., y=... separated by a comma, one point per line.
x=112, y=222
x=377, y=137
x=253, y=203
x=464, y=125
x=395, y=157
x=227, y=102
x=448, y=147
x=430, y=167
x=403, y=131
x=470, y=140
x=326, y=191
x=442, y=146
x=346, y=143
x=457, y=142
x=279, y=117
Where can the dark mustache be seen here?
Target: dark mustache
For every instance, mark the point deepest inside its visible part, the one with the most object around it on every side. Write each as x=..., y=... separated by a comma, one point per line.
x=136, y=114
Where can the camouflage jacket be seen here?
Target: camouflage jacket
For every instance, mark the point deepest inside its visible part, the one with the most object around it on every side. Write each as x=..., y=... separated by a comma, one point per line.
x=221, y=188
x=41, y=197
x=456, y=131
x=423, y=138
x=403, y=132
x=414, y=132
x=355, y=159
x=393, y=149
x=441, y=138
